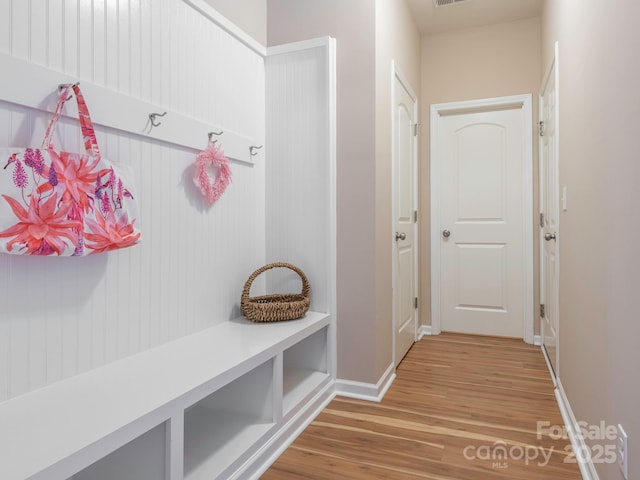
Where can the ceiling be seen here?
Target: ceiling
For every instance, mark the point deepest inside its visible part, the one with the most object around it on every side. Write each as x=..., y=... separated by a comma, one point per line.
x=475, y=13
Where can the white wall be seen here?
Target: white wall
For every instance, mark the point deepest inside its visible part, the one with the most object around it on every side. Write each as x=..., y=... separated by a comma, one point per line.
x=599, y=256
x=249, y=15
x=62, y=316
x=352, y=24
x=368, y=35
x=397, y=40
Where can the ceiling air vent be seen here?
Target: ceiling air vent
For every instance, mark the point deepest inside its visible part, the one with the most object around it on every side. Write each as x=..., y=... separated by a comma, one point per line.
x=446, y=3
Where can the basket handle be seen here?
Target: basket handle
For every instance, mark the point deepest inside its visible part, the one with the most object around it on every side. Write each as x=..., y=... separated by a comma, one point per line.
x=306, y=288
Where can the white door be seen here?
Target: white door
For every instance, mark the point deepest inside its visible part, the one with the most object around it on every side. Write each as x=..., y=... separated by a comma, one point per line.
x=404, y=221
x=485, y=280
x=549, y=189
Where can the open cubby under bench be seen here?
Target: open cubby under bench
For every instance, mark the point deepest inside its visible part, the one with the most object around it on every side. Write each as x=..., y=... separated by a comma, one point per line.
x=201, y=407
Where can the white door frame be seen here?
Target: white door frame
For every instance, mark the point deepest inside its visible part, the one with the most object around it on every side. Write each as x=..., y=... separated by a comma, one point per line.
x=524, y=102
x=396, y=73
x=553, y=68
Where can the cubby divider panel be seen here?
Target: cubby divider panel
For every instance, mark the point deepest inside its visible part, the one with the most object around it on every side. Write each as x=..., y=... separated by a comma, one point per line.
x=304, y=369
x=221, y=429
x=143, y=458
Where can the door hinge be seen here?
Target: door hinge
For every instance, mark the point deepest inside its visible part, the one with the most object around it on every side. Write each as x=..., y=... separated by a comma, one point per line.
x=415, y=129
x=542, y=310
x=415, y=302
x=415, y=216
x=541, y=128
x=541, y=220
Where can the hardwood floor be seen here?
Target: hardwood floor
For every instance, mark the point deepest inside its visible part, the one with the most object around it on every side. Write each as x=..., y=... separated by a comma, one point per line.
x=461, y=408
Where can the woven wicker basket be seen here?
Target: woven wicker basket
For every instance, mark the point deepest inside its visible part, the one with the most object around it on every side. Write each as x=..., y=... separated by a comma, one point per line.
x=279, y=306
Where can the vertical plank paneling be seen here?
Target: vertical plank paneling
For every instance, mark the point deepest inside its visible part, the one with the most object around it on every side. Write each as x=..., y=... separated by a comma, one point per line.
x=145, y=255
x=111, y=43
x=98, y=316
x=37, y=334
x=146, y=50
x=192, y=62
x=70, y=28
x=84, y=347
x=181, y=49
x=38, y=29
x=154, y=236
x=162, y=39
x=188, y=271
x=297, y=92
x=135, y=57
x=124, y=48
x=85, y=46
x=122, y=260
x=156, y=48
x=20, y=28
x=38, y=26
x=55, y=25
x=213, y=88
x=99, y=36
x=5, y=339
x=5, y=27
x=110, y=278
x=132, y=304
x=51, y=327
x=19, y=351
x=70, y=340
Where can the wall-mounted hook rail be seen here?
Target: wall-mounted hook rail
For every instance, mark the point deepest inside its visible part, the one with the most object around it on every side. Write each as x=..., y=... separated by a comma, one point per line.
x=253, y=148
x=211, y=134
x=152, y=118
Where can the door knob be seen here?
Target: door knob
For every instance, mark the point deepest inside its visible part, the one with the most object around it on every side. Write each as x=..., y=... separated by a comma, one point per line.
x=401, y=236
x=550, y=236
x=446, y=233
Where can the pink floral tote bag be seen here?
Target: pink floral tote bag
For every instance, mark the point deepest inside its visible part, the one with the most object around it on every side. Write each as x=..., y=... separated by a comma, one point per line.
x=62, y=203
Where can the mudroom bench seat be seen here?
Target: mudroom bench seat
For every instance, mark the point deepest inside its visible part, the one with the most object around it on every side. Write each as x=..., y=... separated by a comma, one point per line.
x=220, y=403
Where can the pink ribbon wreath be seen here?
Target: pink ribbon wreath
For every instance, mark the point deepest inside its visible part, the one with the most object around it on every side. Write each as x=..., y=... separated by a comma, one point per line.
x=212, y=156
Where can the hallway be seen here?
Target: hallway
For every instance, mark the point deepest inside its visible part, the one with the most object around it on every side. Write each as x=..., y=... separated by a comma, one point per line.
x=456, y=401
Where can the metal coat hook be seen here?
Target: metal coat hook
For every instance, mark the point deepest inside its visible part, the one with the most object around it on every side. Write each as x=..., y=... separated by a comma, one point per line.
x=62, y=85
x=253, y=148
x=152, y=118
x=211, y=134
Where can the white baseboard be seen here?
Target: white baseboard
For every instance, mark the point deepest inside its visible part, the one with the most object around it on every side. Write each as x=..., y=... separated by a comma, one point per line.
x=423, y=331
x=587, y=469
x=537, y=340
x=551, y=372
x=367, y=391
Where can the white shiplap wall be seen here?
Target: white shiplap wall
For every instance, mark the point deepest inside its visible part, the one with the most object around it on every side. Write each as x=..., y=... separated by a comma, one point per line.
x=63, y=316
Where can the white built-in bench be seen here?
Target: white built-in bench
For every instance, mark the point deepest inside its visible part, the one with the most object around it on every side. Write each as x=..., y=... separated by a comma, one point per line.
x=216, y=404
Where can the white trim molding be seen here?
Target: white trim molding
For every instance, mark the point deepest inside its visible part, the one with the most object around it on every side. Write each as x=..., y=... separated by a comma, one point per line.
x=212, y=14
x=423, y=331
x=587, y=469
x=116, y=110
x=367, y=391
x=523, y=102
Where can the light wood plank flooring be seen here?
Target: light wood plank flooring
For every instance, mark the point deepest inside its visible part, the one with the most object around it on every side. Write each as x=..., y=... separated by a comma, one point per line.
x=456, y=401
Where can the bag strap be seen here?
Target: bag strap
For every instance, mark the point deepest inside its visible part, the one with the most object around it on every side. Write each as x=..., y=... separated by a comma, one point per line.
x=88, y=133
x=86, y=125
x=62, y=99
